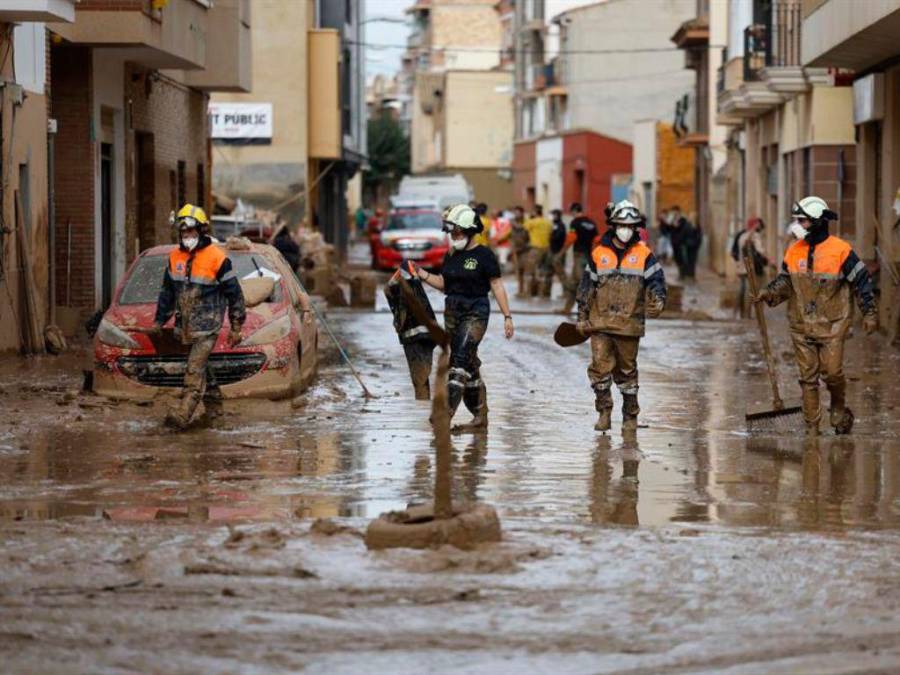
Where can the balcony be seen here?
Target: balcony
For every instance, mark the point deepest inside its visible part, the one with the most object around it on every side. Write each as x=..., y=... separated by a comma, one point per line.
x=772, y=49
x=738, y=98
x=171, y=37
x=228, y=56
x=855, y=35
x=20, y=11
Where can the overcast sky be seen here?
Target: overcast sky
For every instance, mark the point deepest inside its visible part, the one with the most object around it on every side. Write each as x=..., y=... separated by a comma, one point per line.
x=385, y=61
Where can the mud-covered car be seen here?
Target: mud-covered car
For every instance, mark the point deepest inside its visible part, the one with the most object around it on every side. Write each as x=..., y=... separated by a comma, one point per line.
x=277, y=357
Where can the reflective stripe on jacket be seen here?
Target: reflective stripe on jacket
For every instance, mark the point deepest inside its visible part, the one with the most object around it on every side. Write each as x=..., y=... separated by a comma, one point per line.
x=197, y=287
x=620, y=287
x=816, y=281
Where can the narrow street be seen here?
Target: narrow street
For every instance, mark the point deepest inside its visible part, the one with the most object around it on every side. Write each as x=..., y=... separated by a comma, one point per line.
x=695, y=546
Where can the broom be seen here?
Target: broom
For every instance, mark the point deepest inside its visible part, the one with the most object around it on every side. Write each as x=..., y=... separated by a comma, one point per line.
x=780, y=416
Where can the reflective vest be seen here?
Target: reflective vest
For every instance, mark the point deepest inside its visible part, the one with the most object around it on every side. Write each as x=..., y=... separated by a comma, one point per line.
x=820, y=305
x=199, y=300
x=617, y=302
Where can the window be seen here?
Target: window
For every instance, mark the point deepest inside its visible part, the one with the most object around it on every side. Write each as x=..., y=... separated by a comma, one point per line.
x=346, y=92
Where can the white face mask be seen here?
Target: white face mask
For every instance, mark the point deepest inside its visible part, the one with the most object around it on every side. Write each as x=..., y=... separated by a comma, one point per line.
x=624, y=234
x=459, y=244
x=798, y=230
x=190, y=243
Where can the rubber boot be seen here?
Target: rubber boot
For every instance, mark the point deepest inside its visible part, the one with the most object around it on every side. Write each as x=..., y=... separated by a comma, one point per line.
x=604, y=420
x=811, y=412
x=475, y=400
x=603, y=404
x=630, y=411
x=841, y=416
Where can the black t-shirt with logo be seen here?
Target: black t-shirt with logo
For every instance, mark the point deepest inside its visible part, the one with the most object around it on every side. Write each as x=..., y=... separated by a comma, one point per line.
x=469, y=273
x=585, y=231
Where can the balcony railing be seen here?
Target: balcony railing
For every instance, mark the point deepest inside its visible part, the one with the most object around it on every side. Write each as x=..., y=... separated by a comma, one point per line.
x=775, y=42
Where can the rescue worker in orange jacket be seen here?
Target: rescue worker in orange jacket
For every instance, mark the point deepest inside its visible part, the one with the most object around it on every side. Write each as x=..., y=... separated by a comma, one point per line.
x=622, y=284
x=817, y=275
x=198, y=284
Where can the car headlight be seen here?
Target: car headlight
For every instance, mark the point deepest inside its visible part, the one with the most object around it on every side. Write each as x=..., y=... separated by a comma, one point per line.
x=271, y=332
x=110, y=334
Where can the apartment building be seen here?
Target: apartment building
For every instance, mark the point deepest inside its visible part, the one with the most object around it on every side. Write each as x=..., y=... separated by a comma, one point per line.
x=863, y=40
x=305, y=135
x=589, y=71
x=447, y=36
x=790, y=126
x=105, y=112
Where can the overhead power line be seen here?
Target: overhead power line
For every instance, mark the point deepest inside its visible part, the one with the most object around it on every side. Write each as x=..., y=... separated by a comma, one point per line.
x=483, y=50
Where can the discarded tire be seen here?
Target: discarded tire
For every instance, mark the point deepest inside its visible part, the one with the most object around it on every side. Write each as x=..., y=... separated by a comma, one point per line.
x=417, y=528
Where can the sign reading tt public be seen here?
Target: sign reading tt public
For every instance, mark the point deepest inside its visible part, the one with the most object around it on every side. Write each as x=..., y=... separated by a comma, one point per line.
x=240, y=121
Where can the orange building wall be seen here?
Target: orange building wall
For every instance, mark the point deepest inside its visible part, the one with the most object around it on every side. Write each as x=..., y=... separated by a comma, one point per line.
x=675, y=172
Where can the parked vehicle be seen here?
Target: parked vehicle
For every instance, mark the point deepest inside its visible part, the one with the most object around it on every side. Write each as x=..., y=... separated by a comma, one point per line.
x=411, y=234
x=276, y=359
x=442, y=191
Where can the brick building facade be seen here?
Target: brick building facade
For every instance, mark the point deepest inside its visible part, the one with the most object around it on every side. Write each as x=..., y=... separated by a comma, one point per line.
x=167, y=155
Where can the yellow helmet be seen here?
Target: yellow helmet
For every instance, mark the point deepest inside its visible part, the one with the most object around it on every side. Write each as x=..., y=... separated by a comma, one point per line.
x=191, y=216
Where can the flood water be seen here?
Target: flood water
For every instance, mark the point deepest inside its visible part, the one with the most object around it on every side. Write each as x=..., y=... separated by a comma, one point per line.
x=691, y=461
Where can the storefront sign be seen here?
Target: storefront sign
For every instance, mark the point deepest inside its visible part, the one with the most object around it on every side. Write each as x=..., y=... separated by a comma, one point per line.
x=240, y=120
x=868, y=98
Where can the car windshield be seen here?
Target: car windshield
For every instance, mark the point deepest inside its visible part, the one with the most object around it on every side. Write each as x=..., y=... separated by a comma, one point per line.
x=145, y=280
x=415, y=221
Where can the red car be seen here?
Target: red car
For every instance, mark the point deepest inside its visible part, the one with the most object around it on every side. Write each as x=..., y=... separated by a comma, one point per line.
x=411, y=234
x=276, y=359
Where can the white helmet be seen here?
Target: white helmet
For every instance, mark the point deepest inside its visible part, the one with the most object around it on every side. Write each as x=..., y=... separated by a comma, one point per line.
x=463, y=217
x=813, y=208
x=625, y=213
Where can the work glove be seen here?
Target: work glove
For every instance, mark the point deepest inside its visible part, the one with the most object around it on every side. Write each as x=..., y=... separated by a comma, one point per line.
x=234, y=335
x=655, y=305
x=583, y=327
x=870, y=323
x=307, y=317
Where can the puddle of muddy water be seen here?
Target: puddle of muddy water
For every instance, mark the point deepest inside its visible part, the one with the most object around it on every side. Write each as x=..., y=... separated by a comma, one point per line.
x=342, y=456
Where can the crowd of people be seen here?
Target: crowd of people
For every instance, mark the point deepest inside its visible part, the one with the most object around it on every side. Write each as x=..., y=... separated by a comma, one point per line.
x=535, y=247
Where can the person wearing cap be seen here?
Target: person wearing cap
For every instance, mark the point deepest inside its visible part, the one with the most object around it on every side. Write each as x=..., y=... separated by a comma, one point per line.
x=818, y=275
x=622, y=284
x=198, y=284
x=469, y=273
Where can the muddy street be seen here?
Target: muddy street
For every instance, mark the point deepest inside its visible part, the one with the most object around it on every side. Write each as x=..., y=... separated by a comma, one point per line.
x=692, y=545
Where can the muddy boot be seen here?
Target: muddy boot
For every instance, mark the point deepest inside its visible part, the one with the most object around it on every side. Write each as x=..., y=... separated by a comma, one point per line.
x=630, y=411
x=811, y=412
x=841, y=416
x=475, y=400
x=604, y=420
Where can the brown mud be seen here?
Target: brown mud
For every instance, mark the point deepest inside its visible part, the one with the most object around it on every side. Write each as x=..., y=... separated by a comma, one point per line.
x=689, y=546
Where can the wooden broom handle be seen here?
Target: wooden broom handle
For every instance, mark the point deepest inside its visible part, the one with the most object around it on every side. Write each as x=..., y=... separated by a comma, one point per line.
x=777, y=403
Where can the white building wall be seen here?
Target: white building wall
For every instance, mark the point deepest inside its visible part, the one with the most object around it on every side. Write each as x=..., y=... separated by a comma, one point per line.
x=718, y=34
x=609, y=91
x=644, y=164
x=548, y=157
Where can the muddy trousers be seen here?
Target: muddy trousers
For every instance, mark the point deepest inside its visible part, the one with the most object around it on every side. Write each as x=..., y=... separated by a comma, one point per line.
x=537, y=270
x=579, y=262
x=556, y=269
x=821, y=359
x=419, y=358
x=195, y=378
x=466, y=321
x=614, y=359
x=521, y=260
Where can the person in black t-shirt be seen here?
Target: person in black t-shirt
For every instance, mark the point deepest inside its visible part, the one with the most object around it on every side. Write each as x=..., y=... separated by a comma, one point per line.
x=582, y=233
x=556, y=261
x=470, y=272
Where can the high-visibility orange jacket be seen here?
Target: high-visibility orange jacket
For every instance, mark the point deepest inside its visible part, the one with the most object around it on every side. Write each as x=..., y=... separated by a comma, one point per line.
x=815, y=279
x=197, y=287
x=620, y=286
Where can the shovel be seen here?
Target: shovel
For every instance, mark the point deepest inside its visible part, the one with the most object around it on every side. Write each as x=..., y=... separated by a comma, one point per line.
x=567, y=335
x=766, y=418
